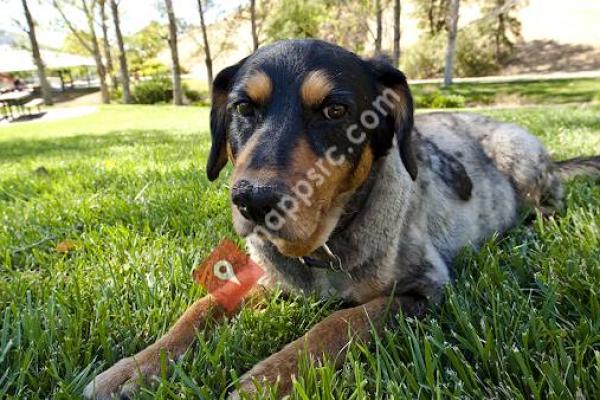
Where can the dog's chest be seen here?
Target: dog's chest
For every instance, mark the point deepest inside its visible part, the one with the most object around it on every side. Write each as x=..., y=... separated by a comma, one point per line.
x=362, y=283
x=367, y=248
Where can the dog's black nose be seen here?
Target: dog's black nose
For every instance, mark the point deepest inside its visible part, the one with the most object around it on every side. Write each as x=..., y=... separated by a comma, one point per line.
x=254, y=202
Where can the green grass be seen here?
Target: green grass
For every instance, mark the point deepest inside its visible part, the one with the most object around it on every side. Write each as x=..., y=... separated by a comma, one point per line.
x=559, y=91
x=127, y=186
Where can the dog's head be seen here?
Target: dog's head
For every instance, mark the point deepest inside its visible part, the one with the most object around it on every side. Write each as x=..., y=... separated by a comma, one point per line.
x=302, y=122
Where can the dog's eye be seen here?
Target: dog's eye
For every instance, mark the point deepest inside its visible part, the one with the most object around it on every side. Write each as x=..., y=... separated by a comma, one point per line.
x=334, y=111
x=244, y=108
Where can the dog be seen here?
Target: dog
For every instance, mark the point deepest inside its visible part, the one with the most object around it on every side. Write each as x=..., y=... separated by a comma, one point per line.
x=339, y=190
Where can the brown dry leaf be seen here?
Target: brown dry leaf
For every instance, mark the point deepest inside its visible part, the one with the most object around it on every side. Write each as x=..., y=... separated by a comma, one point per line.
x=66, y=246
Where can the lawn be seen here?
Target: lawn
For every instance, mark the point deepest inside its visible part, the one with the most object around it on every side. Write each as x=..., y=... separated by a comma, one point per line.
x=126, y=188
x=555, y=91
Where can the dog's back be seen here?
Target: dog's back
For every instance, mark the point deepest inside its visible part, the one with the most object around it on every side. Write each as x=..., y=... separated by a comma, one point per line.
x=475, y=174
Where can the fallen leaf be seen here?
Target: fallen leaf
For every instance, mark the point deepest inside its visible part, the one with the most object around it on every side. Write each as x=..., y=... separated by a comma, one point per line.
x=66, y=246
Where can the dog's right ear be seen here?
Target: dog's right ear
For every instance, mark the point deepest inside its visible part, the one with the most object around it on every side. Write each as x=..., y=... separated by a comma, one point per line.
x=394, y=87
x=219, y=120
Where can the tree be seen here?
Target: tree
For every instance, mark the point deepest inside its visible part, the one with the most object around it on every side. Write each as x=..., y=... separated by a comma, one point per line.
x=177, y=91
x=295, y=19
x=343, y=22
x=106, y=43
x=207, y=57
x=258, y=11
x=396, y=49
x=72, y=44
x=505, y=25
x=122, y=55
x=37, y=57
x=253, y=24
x=452, y=26
x=379, y=26
x=432, y=15
x=88, y=7
x=144, y=46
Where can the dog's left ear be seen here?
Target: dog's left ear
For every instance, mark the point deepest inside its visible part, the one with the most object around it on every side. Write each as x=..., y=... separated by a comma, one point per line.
x=395, y=91
x=218, y=120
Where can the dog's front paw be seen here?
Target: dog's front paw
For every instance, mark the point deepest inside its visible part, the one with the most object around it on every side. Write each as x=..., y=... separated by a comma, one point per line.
x=122, y=379
x=277, y=371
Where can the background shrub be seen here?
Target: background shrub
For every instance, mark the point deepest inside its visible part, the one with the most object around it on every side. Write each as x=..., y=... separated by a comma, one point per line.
x=193, y=95
x=424, y=59
x=156, y=90
x=439, y=99
x=474, y=56
x=116, y=94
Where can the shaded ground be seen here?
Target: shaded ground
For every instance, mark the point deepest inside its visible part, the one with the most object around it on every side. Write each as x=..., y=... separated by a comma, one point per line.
x=543, y=56
x=77, y=97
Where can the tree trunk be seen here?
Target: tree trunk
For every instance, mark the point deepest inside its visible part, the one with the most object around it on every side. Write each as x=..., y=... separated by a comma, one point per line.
x=89, y=12
x=396, y=51
x=253, y=22
x=208, y=58
x=107, y=55
x=122, y=55
x=37, y=57
x=499, y=32
x=94, y=48
x=452, y=21
x=177, y=92
x=379, y=29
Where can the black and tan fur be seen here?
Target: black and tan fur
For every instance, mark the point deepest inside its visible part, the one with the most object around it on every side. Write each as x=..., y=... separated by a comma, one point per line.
x=396, y=211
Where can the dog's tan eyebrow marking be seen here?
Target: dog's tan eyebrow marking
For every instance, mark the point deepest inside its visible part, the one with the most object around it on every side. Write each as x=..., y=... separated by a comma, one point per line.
x=259, y=87
x=315, y=88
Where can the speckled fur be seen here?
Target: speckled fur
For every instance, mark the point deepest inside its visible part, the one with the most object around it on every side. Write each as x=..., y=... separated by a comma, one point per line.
x=457, y=180
x=407, y=233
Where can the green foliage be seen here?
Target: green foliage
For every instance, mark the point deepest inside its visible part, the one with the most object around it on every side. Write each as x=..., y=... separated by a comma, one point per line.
x=474, y=54
x=151, y=67
x=159, y=89
x=339, y=21
x=424, y=59
x=128, y=185
x=144, y=46
x=156, y=90
x=116, y=94
x=345, y=23
x=193, y=95
x=482, y=47
x=439, y=99
x=72, y=45
x=295, y=19
x=501, y=26
x=431, y=15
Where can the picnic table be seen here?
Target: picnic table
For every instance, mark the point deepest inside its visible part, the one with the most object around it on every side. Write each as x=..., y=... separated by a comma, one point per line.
x=15, y=99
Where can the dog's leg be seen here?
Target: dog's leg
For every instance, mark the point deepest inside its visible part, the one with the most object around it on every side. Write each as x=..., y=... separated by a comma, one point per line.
x=329, y=338
x=123, y=378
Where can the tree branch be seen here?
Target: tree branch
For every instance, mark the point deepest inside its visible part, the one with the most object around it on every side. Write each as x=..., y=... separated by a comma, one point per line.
x=72, y=28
